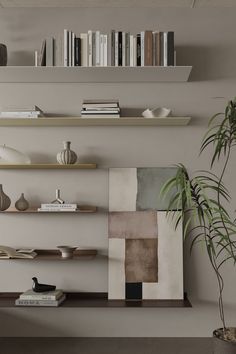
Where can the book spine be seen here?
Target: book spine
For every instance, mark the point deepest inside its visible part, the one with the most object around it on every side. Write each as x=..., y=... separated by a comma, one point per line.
x=20, y=302
x=154, y=48
x=84, y=49
x=72, y=49
x=65, y=47
x=59, y=206
x=56, y=210
x=112, y=47
x=90, y=48
x=131, y=50
x=40, y=297
x=148, y=48
x=101, y=50
x=165, y=49
x=97, y=48
x=77, y=54
x=94, y=49
x=116, y=49
x=127, y=48
x=142, y=44
x=49, y=51
x=123, y=49
x=138, y=50
x=105, y=50
x=170, y=49
x=119, y=48
x=135, y=50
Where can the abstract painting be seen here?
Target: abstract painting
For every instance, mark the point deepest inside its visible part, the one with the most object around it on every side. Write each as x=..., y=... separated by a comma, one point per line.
x=145, y=252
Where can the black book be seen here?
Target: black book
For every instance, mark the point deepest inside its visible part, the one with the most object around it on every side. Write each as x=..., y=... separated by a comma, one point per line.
x=170, y=49
x=113, y=48
x=77, y=45
x=138, y=50
x=119, y=48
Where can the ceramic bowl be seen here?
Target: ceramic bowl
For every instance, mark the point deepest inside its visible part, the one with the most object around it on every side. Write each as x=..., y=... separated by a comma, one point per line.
x=67, y=251
x=159, y=112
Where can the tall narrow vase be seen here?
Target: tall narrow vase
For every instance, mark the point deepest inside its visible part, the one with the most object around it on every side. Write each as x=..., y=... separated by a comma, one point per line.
x=5, y=201
x=67, y=156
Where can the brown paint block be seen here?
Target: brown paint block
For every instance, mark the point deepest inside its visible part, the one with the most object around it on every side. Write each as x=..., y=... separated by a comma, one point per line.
x=141, y=263
x=132, y=224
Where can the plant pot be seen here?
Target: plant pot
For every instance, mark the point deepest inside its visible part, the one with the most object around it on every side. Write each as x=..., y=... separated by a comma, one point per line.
x=221, y=345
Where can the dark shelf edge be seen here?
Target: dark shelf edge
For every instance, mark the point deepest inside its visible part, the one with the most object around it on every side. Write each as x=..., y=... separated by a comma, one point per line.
x=100, y=299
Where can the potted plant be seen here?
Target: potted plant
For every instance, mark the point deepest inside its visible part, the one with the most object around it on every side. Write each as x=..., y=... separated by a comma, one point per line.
x=201, y=202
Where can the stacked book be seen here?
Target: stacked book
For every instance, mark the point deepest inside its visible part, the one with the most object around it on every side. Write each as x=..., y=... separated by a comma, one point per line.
x=100, y=109
x=30, y=112
x=117, y=48
x=56, y=207
x=46, y=299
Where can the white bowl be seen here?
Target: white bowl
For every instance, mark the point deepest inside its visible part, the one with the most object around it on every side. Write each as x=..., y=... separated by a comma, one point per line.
x=66, y=251
x=159, y=112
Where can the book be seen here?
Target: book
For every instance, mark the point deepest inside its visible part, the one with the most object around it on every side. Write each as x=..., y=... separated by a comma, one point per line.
x=90, y=48
x=138, y=39
x=57, y=210
x=120, y=48
x=170, y=49
x=131, y=50
x=158, y=48
x=135, y=50
x=100, y=111
x=123, y=49
x=65, y=47
x=72, y=49
x=50, y=51
x=42, y=55
x=127, y=49
x=93, y=48
x=84, y=49
x=96, y=103
x=164, y=49
x=148, y=48
x=105, y=50
x=14, y=112
x=116, y=49
x=100, y=116
x=59, y=206
x=97, y=48
x=49, y=295
x=112, y=47
x=101, y=50
x=11, y=253
x=77, y=52
x=142, y=47
x=44, y=303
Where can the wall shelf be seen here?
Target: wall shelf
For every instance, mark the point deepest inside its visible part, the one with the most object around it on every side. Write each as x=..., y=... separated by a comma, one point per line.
x=83, y=122
x=82, y=210
x=55, y=255
x=50, y=166
x=99, y=300
x=31, y=74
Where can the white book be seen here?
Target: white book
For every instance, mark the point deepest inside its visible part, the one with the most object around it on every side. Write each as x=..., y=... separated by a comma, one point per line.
x=58, y=206
x=90, y=48
x=142, y=33
x=123, y=49
x=101, y=50
x=11, y=253
x=105, y=50
x=10, y=115
x=84, y=49
x=67, y=210
x=116, y=49
x=65, y=47
x=100, y=116
x=135, y=51
x=97, y=46
x=48, y=295
x=45, y=303
x=165, y=49
x=72, y=49
x=131, y=50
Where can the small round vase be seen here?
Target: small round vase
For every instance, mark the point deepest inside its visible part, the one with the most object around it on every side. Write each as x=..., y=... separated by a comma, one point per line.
x=22, y=204
x=3, y=54
x=67, y=251
x=5, y=201
x=67, y=156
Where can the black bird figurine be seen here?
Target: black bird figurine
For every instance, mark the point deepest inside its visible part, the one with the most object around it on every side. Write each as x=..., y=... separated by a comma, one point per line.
x=40, y=288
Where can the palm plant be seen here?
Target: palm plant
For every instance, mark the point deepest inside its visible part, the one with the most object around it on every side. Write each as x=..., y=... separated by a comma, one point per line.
x=201, y=201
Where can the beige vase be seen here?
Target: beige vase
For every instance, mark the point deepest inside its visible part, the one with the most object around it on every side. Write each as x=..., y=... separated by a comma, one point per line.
x=67, y=156
x=22, y=204
x=5, y=201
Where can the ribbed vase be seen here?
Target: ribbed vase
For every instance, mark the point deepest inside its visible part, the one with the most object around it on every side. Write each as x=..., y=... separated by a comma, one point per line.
x=67, y=156
x=5, y=201
x=22, y=204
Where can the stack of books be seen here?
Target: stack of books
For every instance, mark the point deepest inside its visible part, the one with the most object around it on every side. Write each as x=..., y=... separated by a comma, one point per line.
x=30, y=112
x=55, y=207
x=100, y=109
x=117, y=48
x=46, y=299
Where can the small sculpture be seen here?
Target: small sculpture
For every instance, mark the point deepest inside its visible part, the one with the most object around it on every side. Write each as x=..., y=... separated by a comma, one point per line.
x=22, y=204
x=58, y=199
x=41, y=288
x=66, y=156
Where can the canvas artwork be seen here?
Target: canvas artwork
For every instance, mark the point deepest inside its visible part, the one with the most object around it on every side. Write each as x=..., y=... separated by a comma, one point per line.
x=145, y=252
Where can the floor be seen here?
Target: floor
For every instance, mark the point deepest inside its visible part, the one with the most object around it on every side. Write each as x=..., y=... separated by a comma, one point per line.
x=13, y=345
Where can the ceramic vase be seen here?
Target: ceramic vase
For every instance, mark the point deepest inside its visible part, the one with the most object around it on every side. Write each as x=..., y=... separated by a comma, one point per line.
x=3, y=54
x=67, y=156
x=67, y=251
x=22, y=204
x=9, y=155
x=5, y=201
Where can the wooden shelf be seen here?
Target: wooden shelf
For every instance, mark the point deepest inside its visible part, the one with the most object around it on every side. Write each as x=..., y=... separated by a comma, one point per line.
x=55, y=255
x=50, y=166
x=31, y=74
x=100, y=300
x=82, y=210
x=83, y=122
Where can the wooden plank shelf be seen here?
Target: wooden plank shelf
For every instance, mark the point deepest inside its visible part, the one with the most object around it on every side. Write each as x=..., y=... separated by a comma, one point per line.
x=84, y=122
x=98, y=300
x=31, y=74
x=48, y=166
x=82, y=210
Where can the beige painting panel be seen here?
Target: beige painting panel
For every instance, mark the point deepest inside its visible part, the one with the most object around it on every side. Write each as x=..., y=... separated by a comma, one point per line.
x=116, y=269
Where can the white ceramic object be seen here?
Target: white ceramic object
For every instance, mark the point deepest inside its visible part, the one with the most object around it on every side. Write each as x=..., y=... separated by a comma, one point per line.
x=159, y=112
x=9, y=155
x=67, y=251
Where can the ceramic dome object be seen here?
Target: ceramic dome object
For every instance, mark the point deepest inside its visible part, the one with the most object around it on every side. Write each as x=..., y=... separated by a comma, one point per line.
x=9, y=155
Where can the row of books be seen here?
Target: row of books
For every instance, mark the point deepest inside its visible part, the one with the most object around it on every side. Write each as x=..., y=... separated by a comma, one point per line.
x=118, y=48
x=100, y=108
x=45, y=299
x=54, y=207
x=27, y=112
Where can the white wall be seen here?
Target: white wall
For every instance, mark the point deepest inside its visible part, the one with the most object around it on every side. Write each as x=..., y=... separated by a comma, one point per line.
x=205, y=38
